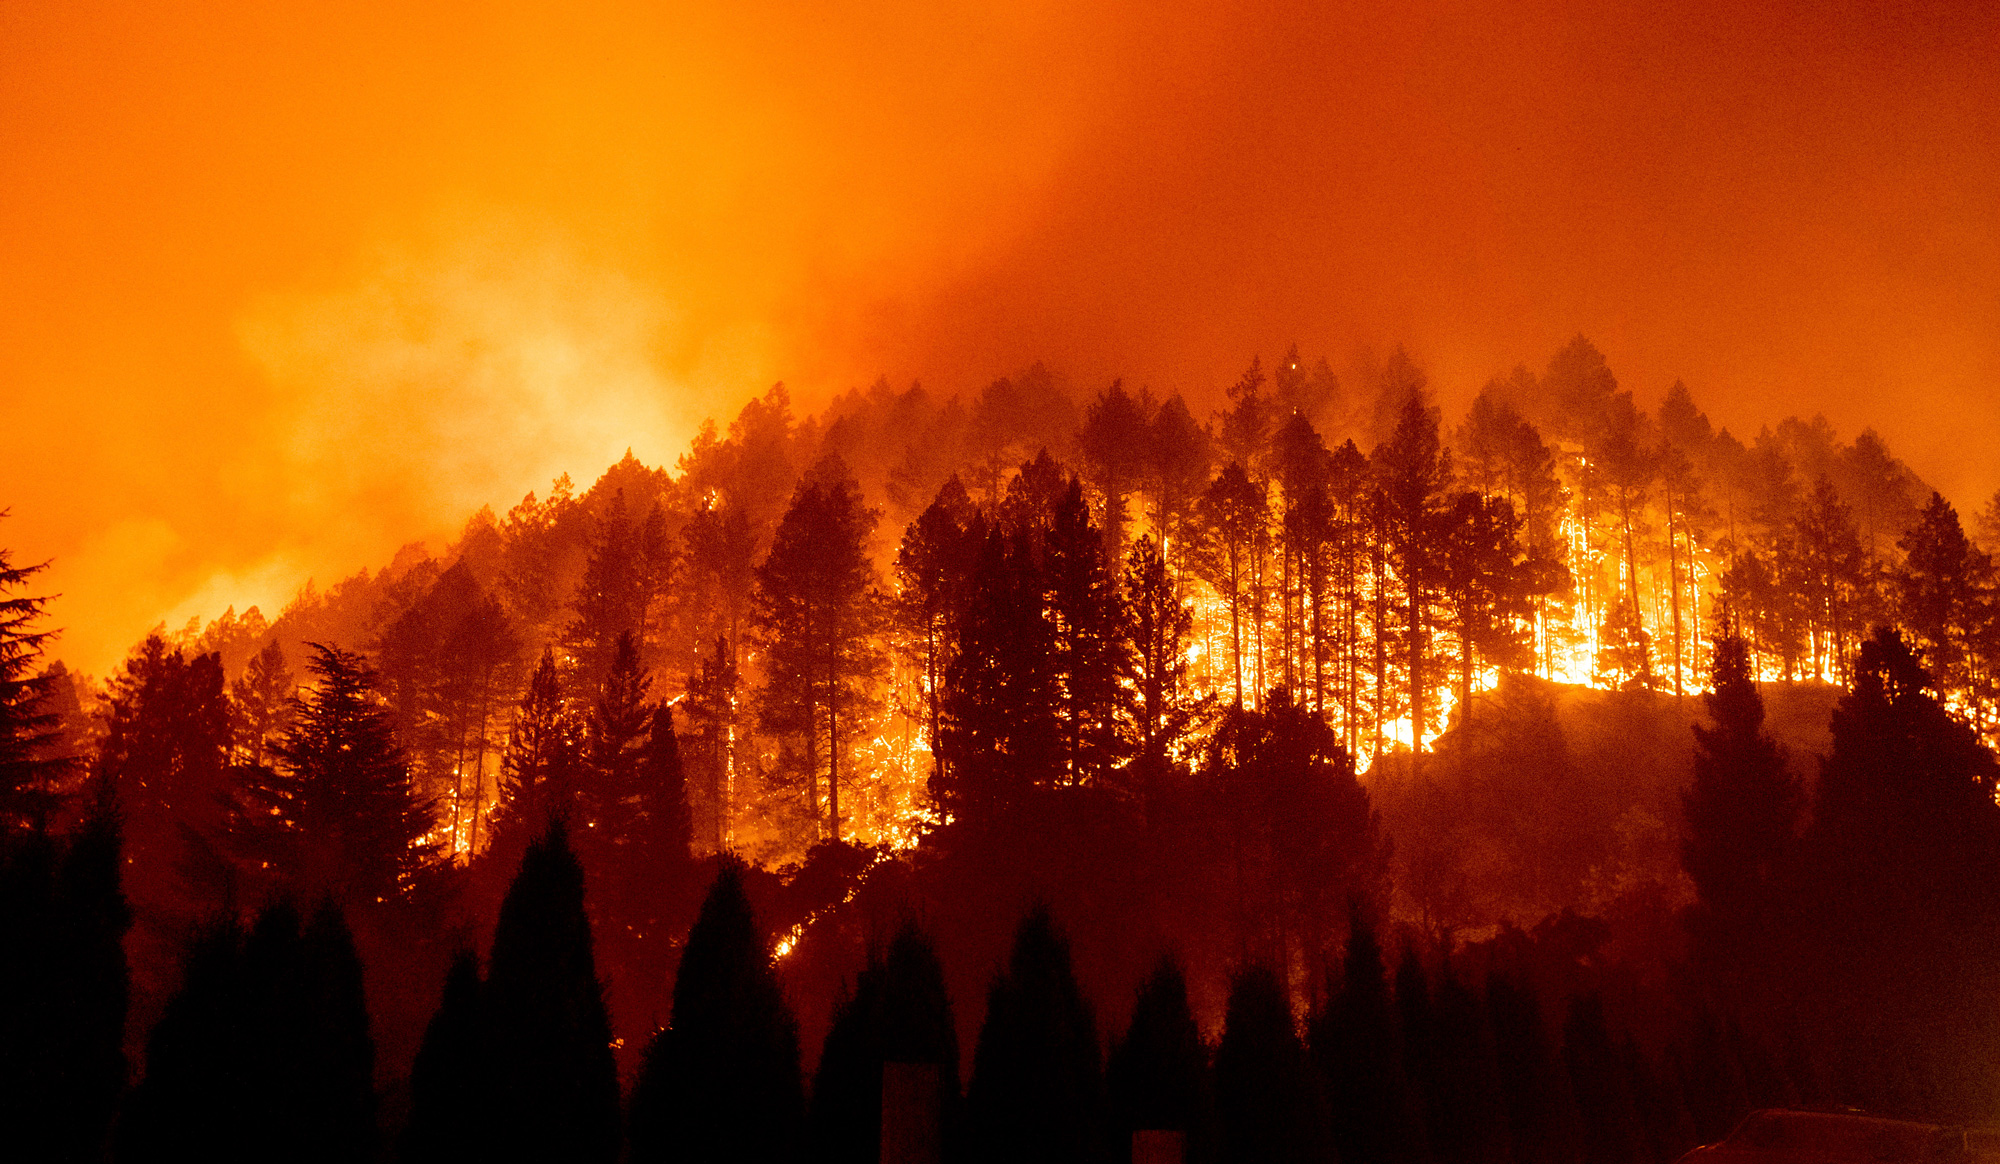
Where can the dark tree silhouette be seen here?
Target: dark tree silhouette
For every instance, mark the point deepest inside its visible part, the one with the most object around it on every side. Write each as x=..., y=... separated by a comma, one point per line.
x=722, y=1083
x=1600, y=1076
x=449, y=1122
x=1089, y=651
x=27, y=778
x=1157, y=1077
x=818, y=612
x=339, y=815
x=1269, y=1107
x=552, y=1087
x=1036, y=1090
x=712, y=718
x=899, y=1012
x=1357, y=1043
x=1741, y=811
x=1535, y=1092
x=62, y=987
x=542, y=768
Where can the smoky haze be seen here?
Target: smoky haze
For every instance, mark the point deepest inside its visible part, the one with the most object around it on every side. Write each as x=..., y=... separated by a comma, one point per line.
x=279, y=292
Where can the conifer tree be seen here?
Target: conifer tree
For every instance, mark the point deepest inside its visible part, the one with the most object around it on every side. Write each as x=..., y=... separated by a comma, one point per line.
x=1357, y=1044
x=818, y=611
x=1941, y=593
x=899, y=1012
x=1234, y=520
x=711, y=712
x=1157, y=627
x=1624, y=650
x=722, y=1082
x=1600, y=1079
x=1084, y=608
x=449, y=1123
x=63, y=987
x=1268, y=1104
x=1741, y=811
x=1536, y=1095
x=542, y=768
x=553, y=1087
x=27, y=778
x=1113, y=442
x=934, y=567
x=262, y=699
x=1036, y=1090
x=340, y=815
x=607, y=801
x=1414, y=469
x=1157, y=1077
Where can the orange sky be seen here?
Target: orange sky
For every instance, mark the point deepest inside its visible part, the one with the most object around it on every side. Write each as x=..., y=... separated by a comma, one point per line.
x=281, y=291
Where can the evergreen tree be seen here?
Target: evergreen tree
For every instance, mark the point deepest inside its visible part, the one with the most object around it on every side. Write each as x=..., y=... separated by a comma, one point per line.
x=1157, y=627
x=1942, y=594
x=1741, y=811
x=1036, y=1091
x=999, y=723
x=1268, y=1105
x=899, y=1012
x=448, y=1084
x=818, y=611
x=1414, y=469
x=340, y=815
x=1466, y=1108
x=263, y=1053
x=1113, y=442
x=1624, y=650
x=722, y=1082
x=1176, y=465
x=552, y=1085
x=28, y=779
x=607, y=801
x=62, y=988
x=711, y=712
x=1084, y=608
x=933, y=573
x=1157, y=1077
x=1233, y=529
x=1536, y=1093
x=612, y=599
x=1357, y=1043
x=542, y=768
x=262, y=699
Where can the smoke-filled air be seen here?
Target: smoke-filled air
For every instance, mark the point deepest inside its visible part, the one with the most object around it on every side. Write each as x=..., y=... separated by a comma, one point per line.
x=1236, y=584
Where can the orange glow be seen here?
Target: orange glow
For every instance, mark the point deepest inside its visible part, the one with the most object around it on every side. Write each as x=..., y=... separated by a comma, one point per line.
x=283, y=289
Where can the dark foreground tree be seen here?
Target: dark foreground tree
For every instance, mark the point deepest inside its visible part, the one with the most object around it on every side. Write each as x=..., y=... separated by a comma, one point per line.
x=340, y=816
x=1036, y=1092
x=722, y=1083
x=899, y=1013
x=448, y=1096
x=1157, y=1077
x=1741, y=812
x=27, y=777
x=1268, y=1101
x=552, y=1087
x=62, y=989
x=1357, y=1043
x=264, y=1053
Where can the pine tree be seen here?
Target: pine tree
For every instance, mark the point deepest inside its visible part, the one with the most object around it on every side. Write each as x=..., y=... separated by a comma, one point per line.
x=722, y=1082
x=1535, y=1092
x=1113, y=442
x=28, y=780
x=448, y=1121
x=542, y=768
x=1157, y=626
x=1083, y=605
x=340, y=812
x=1600, y=1078
x=1157, y=1077
x=934, y=567
x=1942, y=594
x=1233, y=528
x=63, y=987
x=1624, y=650
x=1357, y=1045
x=553, y=1087
x=1037, y=1090
x=1414, y=469
x=899, y=1012
x=1268, y=1104
x=1741, y=812
x=262, y=699
x=607, y=801
x=711, y=712
x=818, y=611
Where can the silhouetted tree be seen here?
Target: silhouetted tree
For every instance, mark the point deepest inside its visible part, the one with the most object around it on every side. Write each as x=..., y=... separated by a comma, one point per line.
x=1157, y=627
x=1741, y=812
x=722, y=1082
x=1089, y=652
x=711, y=712
x=899, y=1012
x=1157, y=1077
x=1599, y=1076
x=339, y=815
x=818, y=611
x=552, y=1087
x=1414, y=470
x=262, y=699
x=62, y=987
x=166, y=752
x=1113, y=442
x=449, y=1121
x=1357, y=1043
x=27, y=778
x=1534, y=1090
x=933, y=572
x=542, y=767
x=1269, y=1107
x=1036, y=1091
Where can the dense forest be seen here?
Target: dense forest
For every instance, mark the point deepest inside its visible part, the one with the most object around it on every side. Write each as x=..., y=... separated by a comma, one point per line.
x=1323, y=777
